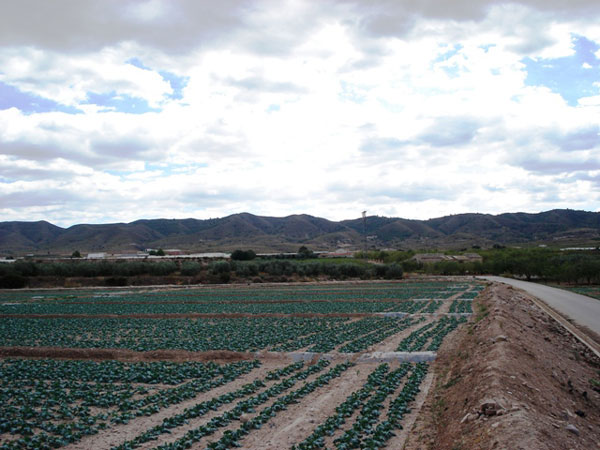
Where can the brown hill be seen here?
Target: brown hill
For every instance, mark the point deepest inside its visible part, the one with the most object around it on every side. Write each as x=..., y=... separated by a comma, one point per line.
x=245, y=230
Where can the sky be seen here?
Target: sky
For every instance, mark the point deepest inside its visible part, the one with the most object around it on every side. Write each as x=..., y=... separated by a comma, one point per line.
x=120, y=110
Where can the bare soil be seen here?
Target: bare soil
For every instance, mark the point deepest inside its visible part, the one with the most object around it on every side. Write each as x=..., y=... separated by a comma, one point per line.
x=102, y=354
x=511, y=379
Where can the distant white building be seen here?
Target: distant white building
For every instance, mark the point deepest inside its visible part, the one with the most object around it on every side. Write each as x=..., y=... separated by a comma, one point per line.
x=431, y=258
x=100, y=255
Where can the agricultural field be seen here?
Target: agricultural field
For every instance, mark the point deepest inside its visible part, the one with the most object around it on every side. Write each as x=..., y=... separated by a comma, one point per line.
x=303, y=366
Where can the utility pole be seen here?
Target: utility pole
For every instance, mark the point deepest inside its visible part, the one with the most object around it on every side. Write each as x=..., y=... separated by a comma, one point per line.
x=364, y=217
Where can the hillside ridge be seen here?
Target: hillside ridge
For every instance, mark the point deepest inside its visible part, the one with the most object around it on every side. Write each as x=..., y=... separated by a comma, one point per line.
x=263, y=233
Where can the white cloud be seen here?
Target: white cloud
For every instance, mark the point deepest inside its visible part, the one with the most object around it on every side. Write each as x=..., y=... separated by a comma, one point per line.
x=415, y=118
x=70, y=79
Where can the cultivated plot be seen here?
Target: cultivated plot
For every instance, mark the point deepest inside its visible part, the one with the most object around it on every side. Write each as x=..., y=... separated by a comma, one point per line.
x=281, y=366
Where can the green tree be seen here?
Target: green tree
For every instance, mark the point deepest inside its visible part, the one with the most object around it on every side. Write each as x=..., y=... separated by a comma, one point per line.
x=243, y=255
x=76, y=254
x=305, y=253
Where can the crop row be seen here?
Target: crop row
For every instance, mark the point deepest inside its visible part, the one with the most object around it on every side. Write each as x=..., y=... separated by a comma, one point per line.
x=152, y=334
x=367, y=291
x=370, y=412
x=368, y=328
x=397, y=409
x=160, y=372
x=461, y=306
x=200, y=409
x=231, y=438
x=70, y=400
x=451, y=325
x=344, y=410
x=243, y=334
x=209, y=308
x=433, y=333
x=432, y=306
x=243, y=407
x=392, y=327
x=367, y=430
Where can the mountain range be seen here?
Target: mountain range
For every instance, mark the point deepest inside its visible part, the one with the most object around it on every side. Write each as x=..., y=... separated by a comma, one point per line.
x=562, y=227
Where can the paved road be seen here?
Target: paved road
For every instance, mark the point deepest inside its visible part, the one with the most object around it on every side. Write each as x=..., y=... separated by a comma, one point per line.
x=582, y=309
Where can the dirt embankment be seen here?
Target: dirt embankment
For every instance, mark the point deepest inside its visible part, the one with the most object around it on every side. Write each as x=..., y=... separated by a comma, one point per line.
x=511, y=379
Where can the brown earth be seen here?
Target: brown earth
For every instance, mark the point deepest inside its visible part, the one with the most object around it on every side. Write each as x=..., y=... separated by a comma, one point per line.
x=101, y=354
x=511, y=379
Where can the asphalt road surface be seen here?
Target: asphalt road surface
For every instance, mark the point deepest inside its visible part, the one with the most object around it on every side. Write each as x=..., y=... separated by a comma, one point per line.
x=580, y=308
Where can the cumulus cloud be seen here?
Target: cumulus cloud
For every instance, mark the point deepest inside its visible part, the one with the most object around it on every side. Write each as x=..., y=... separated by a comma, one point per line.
x=450, y=131
x=148, y=108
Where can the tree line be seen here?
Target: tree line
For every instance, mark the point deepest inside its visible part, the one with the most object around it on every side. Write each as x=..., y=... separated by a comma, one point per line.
x=117, y=273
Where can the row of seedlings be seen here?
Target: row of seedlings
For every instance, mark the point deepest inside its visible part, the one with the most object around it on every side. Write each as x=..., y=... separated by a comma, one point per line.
x=50, y=403
x=461, y=306
x=436, y=331
x=369, y=429
x=369, y=416
x=364, y=342
x=242, y=407
x=231, y=438
x=344, y=411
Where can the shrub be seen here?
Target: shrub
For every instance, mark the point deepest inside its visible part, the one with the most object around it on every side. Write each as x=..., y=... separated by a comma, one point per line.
x=191, y=268
x=394, y=272
x=243, y=255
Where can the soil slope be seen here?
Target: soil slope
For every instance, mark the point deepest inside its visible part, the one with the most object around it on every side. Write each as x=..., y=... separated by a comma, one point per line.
x=511, y=379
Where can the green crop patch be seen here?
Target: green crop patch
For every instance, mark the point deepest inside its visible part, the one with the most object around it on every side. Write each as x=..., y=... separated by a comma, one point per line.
x=371, y=426
x=49, y=403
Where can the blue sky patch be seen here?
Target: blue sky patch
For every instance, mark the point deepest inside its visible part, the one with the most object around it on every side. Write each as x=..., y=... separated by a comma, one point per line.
x=177, y=83
x=449, y=53
x=119, y=103
x=572, y=77
x=453, y=70
x=11, y=97
x=138, y=63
